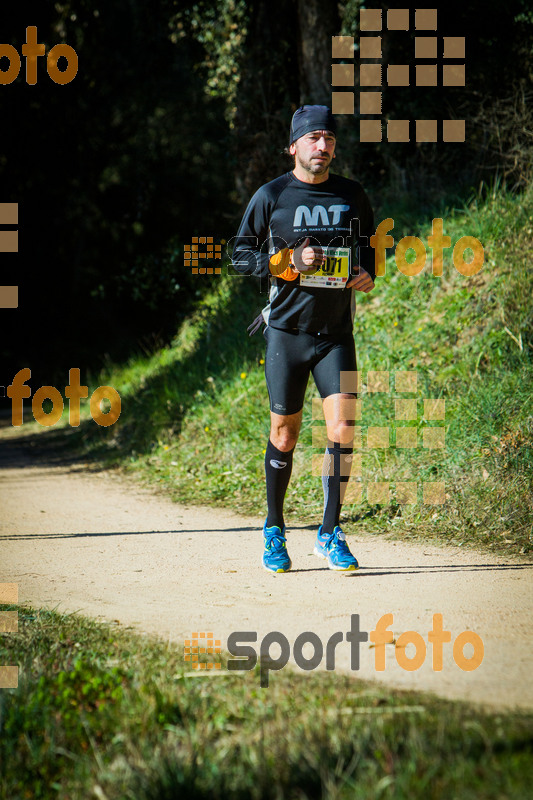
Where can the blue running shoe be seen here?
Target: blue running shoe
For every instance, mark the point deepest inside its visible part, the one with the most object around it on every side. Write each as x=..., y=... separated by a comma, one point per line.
x=333, y=547
x=275, y=557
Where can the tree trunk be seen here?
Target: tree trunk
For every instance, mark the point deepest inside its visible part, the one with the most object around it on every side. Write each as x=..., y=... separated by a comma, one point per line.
x=287, y=62
x=318, y=22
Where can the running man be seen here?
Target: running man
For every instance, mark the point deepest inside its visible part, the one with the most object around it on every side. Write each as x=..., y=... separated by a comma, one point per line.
x=302, y=230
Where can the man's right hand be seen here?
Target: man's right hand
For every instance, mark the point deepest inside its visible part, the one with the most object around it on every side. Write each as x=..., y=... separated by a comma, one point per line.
x=305, y=258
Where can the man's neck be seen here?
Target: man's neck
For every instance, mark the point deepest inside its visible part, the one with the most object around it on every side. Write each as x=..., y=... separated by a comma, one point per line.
x=309, y=177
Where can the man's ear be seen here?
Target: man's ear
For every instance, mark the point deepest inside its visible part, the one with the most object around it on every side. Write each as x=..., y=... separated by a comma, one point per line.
x=292, y=149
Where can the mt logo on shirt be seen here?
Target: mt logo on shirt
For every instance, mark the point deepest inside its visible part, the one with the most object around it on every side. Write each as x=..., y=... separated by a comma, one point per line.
x=318, y=216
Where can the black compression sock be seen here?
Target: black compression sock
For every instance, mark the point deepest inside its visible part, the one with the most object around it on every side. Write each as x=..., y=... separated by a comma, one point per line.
x=339, y=463
x=278, y=468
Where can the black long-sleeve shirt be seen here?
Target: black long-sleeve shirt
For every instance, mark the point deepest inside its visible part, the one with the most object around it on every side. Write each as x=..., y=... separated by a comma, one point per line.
x=279, y=217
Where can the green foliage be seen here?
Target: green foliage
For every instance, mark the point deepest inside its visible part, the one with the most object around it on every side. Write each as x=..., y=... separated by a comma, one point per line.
x=124, y=718
x=173, y=121
x=221, y=30
x=469, y=341
x=65, y=701
x=350, y=17
x=120, y=176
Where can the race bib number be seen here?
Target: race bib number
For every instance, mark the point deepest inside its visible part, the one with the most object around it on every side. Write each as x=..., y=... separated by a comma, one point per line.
x=333, y=274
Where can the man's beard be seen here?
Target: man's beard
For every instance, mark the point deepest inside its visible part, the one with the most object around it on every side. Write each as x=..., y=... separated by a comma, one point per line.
x=315, y=166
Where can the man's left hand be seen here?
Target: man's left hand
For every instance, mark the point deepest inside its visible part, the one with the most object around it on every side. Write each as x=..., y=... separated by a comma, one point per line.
x=362, y=282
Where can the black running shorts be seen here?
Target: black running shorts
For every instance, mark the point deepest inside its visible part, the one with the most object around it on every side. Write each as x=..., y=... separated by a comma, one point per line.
x=292, y=355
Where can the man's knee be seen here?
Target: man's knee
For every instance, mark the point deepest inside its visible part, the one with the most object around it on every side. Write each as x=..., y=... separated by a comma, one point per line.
x=341, y=431
x=340, y=414
x=284, y=439
x=284, y=432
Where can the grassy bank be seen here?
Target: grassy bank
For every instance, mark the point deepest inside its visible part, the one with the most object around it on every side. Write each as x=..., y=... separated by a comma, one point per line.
x=195, y=414
x=103, y=713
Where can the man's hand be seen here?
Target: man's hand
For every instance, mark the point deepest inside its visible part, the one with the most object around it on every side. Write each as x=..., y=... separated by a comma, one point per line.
x=305, y=258
x=362, y=282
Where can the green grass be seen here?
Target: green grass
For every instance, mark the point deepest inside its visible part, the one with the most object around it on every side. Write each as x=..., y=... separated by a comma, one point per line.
x=103, y=712
x=195, y=414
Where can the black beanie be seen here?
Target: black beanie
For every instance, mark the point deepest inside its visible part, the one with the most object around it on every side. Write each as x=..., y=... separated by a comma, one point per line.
x=311, y=118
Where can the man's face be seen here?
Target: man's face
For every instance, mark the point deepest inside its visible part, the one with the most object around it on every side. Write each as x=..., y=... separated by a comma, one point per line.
x=314, y=151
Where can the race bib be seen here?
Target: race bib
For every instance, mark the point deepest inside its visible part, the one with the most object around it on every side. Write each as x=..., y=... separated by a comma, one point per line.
x=333, y=274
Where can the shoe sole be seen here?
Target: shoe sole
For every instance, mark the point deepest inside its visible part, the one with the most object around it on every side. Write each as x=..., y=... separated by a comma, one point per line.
x=351, y=568
x=279, y=569
x=343, y=569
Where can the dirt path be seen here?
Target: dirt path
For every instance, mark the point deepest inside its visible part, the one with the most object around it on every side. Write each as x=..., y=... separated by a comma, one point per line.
x=93, y=542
